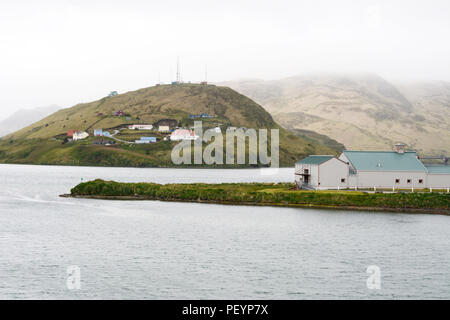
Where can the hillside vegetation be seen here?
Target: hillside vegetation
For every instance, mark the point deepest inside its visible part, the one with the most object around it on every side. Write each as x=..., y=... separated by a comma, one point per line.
x=363, y=112
x=281, y=194
x=43, y=142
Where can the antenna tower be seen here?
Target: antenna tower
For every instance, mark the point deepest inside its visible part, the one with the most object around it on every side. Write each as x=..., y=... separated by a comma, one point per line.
x=178, y=71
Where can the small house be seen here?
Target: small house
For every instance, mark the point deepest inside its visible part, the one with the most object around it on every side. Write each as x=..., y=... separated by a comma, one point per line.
x=141, y=141
x=183, y=134
x=321, y=172
x=164, y=128
x=70, y=133
x=140, y=127
x=150, y=139
x=98, y=132
x=80, y=135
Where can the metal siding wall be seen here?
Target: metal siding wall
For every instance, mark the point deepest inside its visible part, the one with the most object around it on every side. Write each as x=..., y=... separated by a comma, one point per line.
x=439, y=181
x=331, y=173
x=370, y=179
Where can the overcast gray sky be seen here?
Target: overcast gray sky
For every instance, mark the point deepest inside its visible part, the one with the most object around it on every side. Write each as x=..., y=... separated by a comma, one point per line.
x=64, y=52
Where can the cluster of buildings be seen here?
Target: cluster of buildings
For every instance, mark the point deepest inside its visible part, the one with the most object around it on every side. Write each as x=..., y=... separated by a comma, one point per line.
x=175, y=134
x=162, y=126
x=148, y=127
x=397, y=169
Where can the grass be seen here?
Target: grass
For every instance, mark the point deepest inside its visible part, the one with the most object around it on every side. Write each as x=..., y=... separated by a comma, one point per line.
x=34, y=145
x=281, y=194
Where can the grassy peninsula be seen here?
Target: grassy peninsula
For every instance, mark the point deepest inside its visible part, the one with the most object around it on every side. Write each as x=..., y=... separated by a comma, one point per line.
x=265, y=194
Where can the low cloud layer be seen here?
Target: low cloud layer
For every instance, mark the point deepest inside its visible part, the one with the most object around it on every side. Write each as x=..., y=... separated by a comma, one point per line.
x=66, y=52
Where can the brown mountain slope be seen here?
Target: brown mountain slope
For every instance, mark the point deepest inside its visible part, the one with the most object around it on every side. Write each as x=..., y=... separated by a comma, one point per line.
x=361, y=111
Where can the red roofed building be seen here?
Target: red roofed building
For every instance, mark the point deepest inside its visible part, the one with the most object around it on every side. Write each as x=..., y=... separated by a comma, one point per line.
x=70, y=133
x=183, y=134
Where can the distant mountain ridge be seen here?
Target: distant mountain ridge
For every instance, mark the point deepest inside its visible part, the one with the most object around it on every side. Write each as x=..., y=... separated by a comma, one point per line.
x=25, y=117
x=362, y=111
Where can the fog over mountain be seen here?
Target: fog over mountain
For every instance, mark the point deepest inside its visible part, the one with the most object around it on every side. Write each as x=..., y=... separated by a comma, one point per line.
x=67, y=52
x=25, y=117
x=362, y=111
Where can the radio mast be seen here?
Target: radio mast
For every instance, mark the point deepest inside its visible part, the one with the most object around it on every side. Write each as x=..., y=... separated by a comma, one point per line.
x=178, y=70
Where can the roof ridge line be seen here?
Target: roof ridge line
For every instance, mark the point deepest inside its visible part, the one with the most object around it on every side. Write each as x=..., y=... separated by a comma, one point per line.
x=382, y=151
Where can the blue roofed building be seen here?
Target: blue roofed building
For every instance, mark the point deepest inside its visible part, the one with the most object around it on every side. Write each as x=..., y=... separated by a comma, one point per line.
x=438, y=176
x=397, y=169
x=321, y=172
x=150, y=139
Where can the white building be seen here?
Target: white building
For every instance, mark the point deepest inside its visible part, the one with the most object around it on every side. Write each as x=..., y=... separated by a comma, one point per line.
x=183, y=134
x=80, y=135
x=140, y=127
x=164, y=128
x=398, y=169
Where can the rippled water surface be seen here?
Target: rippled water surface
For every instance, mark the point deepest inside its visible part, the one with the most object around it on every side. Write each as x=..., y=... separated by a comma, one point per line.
x=167, y=250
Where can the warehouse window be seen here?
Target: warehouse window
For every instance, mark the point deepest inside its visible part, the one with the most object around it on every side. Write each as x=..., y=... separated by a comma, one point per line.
x=343, y=180
x=420, y=180
x=408, y=181
x=397, y=180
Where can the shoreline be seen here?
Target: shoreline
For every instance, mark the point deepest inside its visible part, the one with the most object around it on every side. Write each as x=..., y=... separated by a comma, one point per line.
x=203, y=166
x=266, y=204
x=264, y=194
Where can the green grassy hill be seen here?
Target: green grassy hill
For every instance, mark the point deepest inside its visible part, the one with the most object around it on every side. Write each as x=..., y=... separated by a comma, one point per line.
x=43, y=142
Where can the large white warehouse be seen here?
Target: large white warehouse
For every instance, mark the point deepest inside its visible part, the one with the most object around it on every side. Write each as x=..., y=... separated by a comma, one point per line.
x=398, y=169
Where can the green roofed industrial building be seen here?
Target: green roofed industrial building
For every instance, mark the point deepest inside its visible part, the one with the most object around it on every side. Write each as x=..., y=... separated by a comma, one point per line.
x=397, y=169
x=314, y=159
